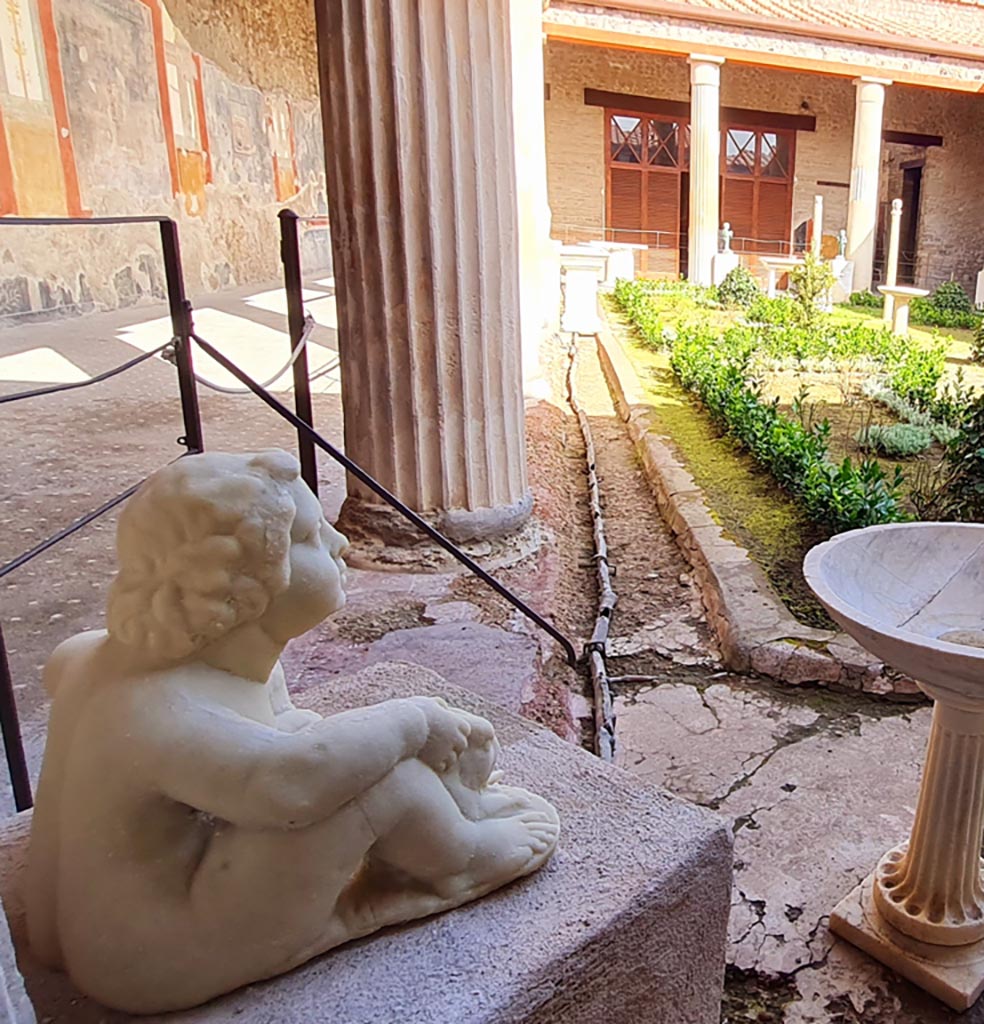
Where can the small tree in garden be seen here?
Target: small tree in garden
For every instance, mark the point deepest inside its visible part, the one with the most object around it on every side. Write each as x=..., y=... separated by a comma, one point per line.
x=738, y=288
x=811, y=282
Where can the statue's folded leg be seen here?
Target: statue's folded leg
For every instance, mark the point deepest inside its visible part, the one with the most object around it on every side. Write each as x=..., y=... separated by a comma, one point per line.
x=424, y=836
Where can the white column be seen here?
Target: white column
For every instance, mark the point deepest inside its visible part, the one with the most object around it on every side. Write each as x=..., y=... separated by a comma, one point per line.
x=705, y=165
x=539, y=290
x=862, y=210
x=892, y=262
x=816, y=242
x=419, y=146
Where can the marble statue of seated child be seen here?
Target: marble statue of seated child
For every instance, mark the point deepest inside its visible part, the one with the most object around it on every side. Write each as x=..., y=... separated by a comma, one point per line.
x=194, y=831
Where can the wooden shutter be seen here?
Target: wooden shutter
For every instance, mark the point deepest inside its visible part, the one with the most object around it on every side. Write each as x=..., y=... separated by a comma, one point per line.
x=774, y=203
x=625, y=204
x=738, y=208
x=663, y=205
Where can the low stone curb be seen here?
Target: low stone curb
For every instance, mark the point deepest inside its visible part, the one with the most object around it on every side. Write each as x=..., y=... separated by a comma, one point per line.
x=754, y=629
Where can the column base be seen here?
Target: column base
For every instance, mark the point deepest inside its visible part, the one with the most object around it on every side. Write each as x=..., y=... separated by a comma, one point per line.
x=381, y=538
x=953, y=974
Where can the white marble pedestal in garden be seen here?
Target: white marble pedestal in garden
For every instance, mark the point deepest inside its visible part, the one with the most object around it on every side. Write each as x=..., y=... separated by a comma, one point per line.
x=913, y=594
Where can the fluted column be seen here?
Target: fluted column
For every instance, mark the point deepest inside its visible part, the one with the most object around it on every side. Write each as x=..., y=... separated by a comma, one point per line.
x=862, y=209
x=419, y=146
x=539, y=290
x=892, y=260
x=705, y=165
x=930, y=888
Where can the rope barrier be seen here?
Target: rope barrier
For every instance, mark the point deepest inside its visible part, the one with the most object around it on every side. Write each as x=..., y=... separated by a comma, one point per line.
x=309, y=325
x=98, y=379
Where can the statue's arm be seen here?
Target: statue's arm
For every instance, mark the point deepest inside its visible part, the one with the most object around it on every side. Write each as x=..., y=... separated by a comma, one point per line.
x=256, y=776
x=288, y=718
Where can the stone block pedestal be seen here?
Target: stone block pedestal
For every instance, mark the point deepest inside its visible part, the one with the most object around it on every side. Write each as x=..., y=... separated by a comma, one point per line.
x=627, y=923
x=954, y=974
x=722, y=265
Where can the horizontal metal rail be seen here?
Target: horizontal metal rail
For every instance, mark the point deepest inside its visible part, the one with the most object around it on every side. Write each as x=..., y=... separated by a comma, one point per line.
x=390, y=499
x=54, y=389
x=30, y=222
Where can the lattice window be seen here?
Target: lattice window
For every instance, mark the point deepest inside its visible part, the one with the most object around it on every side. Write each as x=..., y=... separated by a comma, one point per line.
x=626, y=139
x=739, y=152
x=663, y=149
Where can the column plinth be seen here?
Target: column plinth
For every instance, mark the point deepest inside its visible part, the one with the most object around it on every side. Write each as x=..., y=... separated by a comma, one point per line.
x=862, y=209
x=705, y=166
x=420, y=153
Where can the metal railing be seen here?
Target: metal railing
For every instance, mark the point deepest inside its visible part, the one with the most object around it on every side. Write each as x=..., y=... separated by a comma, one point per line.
x=179, y=351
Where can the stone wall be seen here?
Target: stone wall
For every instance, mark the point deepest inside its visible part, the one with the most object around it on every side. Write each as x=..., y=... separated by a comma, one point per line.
x=952, y=202
x=950, y=233
x=115, y=114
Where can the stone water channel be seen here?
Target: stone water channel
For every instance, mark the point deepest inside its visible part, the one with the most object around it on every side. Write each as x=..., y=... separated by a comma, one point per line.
x=817, y=784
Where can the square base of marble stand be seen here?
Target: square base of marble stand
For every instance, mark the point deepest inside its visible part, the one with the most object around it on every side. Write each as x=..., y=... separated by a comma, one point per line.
x=954, y=974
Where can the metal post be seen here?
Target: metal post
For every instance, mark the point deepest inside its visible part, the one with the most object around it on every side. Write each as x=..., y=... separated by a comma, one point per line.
x=181, y=326
x=290, y=254
x=12, y=744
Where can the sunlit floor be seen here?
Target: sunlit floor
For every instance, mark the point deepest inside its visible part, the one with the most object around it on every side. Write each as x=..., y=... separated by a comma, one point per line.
x=250, y=329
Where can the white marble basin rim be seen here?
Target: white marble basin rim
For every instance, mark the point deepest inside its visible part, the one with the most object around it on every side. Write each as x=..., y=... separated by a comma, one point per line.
x=898, y=589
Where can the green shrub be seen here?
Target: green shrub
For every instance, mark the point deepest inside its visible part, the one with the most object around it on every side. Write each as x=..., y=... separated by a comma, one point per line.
x=842, y=496
x=738, y=288
x=956, y=489
x=780, y=311
x=866, y=300
x=951, y=297
x=900, y=440
x=905, y=410
x=916, y=372
x=811, y=281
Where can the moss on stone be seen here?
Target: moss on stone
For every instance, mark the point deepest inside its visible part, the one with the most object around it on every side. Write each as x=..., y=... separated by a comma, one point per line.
x=744, y=499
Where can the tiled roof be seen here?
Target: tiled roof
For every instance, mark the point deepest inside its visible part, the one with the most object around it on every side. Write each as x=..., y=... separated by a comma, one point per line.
x=944, y=21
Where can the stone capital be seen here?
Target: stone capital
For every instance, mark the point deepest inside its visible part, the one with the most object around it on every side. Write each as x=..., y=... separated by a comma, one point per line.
x=705, y=70
x=870, y=80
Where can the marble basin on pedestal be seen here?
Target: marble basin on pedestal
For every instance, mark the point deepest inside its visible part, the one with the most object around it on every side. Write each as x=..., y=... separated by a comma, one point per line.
x=908, y=592
x=913, y=595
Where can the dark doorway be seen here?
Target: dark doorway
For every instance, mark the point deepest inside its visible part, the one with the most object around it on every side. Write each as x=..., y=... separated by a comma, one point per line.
x=909, y=227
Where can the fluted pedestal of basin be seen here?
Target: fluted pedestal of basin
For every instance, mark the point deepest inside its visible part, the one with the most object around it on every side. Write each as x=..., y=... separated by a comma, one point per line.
x=913, y=594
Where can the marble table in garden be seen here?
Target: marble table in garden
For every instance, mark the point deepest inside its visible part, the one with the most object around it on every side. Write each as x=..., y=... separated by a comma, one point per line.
x=776, y=266
x=913, y=595
x=900, y=296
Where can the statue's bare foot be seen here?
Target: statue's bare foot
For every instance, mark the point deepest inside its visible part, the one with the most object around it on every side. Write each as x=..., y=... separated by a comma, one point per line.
x=506, y=846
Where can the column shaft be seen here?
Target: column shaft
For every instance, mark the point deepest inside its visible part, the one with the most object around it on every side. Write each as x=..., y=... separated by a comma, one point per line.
x=862, y=210
x=419, y=148
x=816, y=243
x=892, y=260
x=932, y=888
x=705, y=165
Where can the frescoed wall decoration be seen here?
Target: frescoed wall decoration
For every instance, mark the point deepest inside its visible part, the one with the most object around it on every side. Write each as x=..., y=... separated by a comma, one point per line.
x=280, y=127
x=38, y=177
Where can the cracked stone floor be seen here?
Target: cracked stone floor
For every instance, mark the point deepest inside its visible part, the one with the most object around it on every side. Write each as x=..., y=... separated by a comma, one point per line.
x=817, y=784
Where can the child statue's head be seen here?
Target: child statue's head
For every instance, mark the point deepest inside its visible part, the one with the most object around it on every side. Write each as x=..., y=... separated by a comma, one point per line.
x=215, y=541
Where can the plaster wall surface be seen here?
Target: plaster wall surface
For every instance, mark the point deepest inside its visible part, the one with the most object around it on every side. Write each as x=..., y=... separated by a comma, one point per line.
x=120, y=116
x=950, y=242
